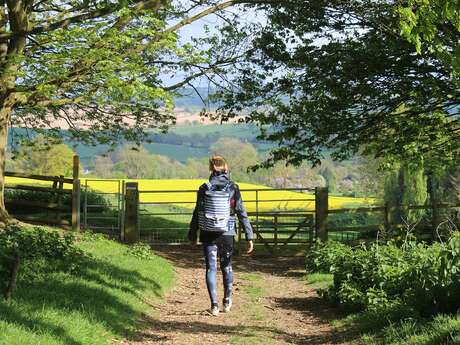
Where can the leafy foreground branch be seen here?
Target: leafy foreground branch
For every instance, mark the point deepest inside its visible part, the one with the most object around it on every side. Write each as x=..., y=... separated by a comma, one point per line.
x=89, y=291
x=407, y=294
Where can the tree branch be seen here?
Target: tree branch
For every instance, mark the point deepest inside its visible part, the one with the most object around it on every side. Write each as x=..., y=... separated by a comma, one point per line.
x=202, y=72
x=60, y=24
x=202, y=14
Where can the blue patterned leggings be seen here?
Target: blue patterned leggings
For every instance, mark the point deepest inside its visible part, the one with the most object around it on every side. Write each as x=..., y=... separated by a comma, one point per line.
x=222, y=247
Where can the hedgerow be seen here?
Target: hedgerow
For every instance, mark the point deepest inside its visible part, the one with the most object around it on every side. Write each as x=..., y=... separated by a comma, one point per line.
x=424, y=278
x=92, y=198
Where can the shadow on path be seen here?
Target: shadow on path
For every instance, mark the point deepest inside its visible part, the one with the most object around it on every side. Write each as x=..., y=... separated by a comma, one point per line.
x=294, y=314
x=189, y=257
x=208, y=328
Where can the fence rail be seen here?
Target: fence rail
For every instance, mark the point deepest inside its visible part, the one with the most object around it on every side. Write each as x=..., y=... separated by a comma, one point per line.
x=54, y=204
x=386, y=223
x=164, y=215
x=56, y=179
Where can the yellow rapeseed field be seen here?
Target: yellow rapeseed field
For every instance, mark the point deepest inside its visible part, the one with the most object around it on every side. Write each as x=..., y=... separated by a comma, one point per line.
x=182, y=193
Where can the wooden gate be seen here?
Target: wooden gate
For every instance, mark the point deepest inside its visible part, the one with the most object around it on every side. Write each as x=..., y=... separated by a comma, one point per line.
x=277, y=230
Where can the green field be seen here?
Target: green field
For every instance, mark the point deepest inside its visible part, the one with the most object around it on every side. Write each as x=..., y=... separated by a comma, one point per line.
x=242, y=131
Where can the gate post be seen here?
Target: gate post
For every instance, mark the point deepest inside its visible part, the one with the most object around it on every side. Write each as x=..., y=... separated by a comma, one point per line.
x=76, y=194
x=131, y=228
x=321, y=211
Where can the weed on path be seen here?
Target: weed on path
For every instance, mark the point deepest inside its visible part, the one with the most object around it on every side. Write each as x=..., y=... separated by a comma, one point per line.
x=272, y=305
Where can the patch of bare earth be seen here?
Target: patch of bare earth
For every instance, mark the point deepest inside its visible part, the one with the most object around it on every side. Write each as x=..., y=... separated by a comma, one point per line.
x=272, y=305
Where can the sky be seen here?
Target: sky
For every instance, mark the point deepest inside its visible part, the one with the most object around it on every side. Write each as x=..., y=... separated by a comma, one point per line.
x=212, y=21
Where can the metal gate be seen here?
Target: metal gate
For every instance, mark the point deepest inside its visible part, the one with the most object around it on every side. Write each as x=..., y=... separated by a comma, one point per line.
x=165, y=215
x=103, y=206
x=280, y=217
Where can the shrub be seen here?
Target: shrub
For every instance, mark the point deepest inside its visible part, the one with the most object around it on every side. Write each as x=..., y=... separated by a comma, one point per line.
x=30, y=250
x=140, y=250
x=425, y=278
x=324, y=256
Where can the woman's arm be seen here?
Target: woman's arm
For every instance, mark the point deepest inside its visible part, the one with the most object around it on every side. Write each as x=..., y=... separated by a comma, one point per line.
x=242, y=215
x=193, y=228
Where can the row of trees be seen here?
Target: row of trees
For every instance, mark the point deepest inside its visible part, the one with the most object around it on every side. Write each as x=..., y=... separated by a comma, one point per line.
x=127, y=162
x=416, y=184
x=45, y=158
x=400, y=183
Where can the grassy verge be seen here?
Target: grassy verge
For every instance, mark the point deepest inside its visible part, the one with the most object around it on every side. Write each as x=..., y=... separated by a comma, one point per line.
x=255, y=291
x=98, y=303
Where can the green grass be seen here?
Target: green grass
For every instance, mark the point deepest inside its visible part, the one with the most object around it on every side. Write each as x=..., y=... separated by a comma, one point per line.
x=257, y=338
x=442, y=330
x=102, y=302
x=400, y=327
x=254, y=292
x=252, y=277
x=319, y=280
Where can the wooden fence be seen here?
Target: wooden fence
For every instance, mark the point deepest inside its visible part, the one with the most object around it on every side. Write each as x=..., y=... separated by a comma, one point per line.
x=55, y=203
x=322, y=215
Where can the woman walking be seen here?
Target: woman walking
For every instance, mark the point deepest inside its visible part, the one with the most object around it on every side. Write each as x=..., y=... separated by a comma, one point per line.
x=218, y=201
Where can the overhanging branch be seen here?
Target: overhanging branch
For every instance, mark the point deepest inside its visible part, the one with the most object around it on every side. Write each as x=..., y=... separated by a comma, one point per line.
x=102, y=12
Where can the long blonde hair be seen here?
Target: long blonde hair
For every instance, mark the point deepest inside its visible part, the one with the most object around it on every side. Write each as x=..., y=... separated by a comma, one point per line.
x=218, y=164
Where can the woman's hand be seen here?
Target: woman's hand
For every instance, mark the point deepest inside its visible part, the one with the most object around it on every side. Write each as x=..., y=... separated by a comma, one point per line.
x=250, y=246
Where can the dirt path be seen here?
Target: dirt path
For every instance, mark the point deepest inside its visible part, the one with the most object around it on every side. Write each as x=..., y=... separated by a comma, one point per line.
x=271, y=306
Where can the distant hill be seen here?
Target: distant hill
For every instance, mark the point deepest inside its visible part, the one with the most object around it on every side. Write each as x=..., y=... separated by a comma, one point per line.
x=247, y=132
x=189, y=97
x=181, y=143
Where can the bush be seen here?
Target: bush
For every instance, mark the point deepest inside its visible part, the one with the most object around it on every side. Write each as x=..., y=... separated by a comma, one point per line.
x=425, y=278
x=140, y=250
x=32, y=250
x=324, y=256
x=93, y=198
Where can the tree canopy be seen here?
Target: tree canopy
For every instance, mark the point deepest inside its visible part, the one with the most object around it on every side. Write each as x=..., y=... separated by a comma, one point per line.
x=106, y=70
x=100, y=68
x=337, y=77
x=36, y=158
x=436, y=25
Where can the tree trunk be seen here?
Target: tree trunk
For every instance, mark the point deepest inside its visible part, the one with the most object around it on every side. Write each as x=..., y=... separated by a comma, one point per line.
x=5, y=113
x=15, y=15
x=13, y=278
x=435, y=218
